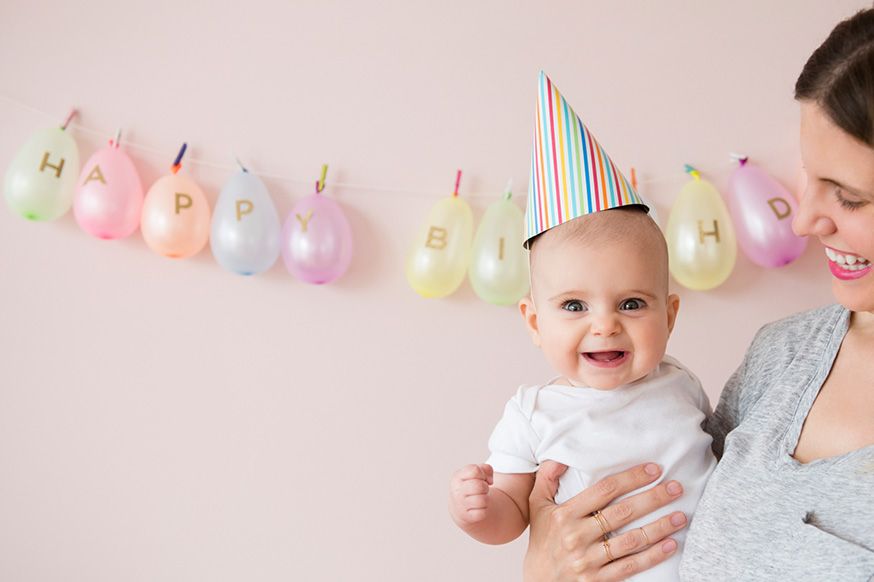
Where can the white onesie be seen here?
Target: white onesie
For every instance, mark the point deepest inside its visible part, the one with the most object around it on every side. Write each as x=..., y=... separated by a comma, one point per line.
x=600, y=432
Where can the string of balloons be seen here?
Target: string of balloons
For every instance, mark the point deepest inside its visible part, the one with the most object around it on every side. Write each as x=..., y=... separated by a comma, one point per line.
x=279, y=177
x=315, y=240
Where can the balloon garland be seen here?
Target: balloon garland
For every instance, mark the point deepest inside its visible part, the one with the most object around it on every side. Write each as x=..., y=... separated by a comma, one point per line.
x=43, y=182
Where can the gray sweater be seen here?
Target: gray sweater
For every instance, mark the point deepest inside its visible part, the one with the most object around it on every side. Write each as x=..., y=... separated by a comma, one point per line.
x=764, y=515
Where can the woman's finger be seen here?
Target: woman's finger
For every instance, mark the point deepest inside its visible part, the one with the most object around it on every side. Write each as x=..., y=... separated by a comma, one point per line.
x=631, y=508
x=637, y=539
x=624, y=568
x=606, y=490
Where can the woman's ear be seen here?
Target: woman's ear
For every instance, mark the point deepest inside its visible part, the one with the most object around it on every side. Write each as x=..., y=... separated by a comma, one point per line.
x=529, y=316
x=673, y=309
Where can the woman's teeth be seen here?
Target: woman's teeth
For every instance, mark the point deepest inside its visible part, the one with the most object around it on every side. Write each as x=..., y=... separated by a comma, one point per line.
x=847, y=262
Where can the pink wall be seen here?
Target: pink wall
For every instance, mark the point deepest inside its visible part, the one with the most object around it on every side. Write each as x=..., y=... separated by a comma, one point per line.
x=166, y=420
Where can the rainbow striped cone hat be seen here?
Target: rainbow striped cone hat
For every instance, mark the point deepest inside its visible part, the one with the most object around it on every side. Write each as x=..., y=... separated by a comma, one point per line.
x=571, y=174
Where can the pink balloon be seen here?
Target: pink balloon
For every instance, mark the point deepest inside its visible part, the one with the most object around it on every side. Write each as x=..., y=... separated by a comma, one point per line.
x=762, y=210
x=109, y=195
x=317, y=240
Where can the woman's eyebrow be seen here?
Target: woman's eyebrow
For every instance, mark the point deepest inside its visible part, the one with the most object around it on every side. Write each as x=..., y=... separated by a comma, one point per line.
x=850, y=189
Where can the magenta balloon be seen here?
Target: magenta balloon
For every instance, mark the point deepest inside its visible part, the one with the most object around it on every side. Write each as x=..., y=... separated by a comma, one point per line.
x=762, y=210
x=316, y=240
x=109, y=195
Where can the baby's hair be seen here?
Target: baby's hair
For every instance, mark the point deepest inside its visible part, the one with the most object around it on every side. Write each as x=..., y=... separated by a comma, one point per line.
x=626, y=225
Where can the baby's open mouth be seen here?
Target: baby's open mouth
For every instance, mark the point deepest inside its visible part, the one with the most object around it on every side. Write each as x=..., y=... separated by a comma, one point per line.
x=605, y=359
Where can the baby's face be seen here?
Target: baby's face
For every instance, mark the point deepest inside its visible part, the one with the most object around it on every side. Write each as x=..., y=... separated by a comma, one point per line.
x=600, y=313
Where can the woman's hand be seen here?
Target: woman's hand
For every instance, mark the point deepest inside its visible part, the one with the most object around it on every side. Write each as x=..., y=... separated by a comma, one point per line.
x=567, y=542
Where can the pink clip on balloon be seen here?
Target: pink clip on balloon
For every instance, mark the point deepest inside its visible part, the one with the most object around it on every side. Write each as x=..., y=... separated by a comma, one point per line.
x=317, y=239
x=175, y=220
x=762, y=210
x=109, y=197
x=438, y=261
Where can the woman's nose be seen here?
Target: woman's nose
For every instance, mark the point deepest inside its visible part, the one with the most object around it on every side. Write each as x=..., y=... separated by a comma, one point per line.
x=812, y=218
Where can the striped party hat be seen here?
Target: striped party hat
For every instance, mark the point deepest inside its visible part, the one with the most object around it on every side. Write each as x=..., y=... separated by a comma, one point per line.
x=571, y=174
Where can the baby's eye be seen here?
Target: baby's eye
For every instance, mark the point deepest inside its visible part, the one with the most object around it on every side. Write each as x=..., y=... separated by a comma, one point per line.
x=632, y=304
x=573, y=305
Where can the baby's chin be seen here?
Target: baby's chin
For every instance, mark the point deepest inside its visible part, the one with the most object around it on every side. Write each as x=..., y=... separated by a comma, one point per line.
x=604, y=384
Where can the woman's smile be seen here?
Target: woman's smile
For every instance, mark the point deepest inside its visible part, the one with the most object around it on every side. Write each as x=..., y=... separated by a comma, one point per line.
x=847, y=266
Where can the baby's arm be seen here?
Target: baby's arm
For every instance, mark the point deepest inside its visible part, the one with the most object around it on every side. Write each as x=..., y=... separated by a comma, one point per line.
x=490, y=507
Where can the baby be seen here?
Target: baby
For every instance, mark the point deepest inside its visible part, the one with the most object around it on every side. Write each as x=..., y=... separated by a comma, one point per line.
x=600, y=311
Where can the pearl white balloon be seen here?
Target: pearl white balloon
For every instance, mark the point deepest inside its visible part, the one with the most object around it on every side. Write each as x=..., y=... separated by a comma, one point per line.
x=245, y=226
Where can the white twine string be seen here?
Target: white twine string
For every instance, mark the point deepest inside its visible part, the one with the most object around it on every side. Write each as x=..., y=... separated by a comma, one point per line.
x=676, y=177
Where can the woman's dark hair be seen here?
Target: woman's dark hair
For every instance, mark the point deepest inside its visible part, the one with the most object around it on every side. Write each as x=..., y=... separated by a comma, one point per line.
x=839, y=76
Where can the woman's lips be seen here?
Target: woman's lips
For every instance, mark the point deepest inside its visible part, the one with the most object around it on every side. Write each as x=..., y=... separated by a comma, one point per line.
x=606, y=359
x=844, y=274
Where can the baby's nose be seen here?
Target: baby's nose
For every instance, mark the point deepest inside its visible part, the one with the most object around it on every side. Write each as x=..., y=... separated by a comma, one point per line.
x=606, y=325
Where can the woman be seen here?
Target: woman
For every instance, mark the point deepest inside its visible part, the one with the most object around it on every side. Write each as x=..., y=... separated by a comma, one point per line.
x=793, y=495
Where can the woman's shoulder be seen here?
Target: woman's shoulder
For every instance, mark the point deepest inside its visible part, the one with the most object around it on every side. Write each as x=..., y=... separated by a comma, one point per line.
x=783, y=346
x=785, y=336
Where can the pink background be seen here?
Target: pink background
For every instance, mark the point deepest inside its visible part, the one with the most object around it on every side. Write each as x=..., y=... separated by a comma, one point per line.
x=165, y=420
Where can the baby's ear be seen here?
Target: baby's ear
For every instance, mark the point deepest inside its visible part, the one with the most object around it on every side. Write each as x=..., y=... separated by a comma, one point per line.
x=673, y=309
x=529, y=316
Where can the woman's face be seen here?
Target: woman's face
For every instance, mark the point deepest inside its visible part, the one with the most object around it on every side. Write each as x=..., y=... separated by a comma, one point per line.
x=838, y=205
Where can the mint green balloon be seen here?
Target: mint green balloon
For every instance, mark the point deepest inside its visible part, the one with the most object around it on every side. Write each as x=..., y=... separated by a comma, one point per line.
x=41, y=180
x=499, y=264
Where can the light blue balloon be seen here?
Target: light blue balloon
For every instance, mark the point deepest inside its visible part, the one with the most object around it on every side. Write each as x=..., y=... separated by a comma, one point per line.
x=245, y=226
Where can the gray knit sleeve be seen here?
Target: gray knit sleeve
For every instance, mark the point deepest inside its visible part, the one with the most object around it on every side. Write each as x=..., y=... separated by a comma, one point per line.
x=729, y=411
x=749, y=382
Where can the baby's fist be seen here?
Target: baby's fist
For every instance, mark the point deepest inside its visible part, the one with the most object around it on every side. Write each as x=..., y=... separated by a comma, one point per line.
x=469, y=493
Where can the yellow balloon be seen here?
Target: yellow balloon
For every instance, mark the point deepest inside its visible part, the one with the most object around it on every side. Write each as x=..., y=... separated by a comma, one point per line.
x=499, y=264
x=438, y=260
x=701, y=242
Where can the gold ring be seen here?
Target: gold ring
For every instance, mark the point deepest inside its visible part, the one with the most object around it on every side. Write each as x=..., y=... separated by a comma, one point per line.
x=646, y=537
x=602, y=522
x=606, y=544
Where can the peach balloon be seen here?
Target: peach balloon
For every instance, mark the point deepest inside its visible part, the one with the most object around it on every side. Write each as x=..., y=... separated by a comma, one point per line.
x=176, y=217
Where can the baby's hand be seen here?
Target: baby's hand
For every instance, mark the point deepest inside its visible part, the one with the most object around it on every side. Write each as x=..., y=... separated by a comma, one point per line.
x=469, y=493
